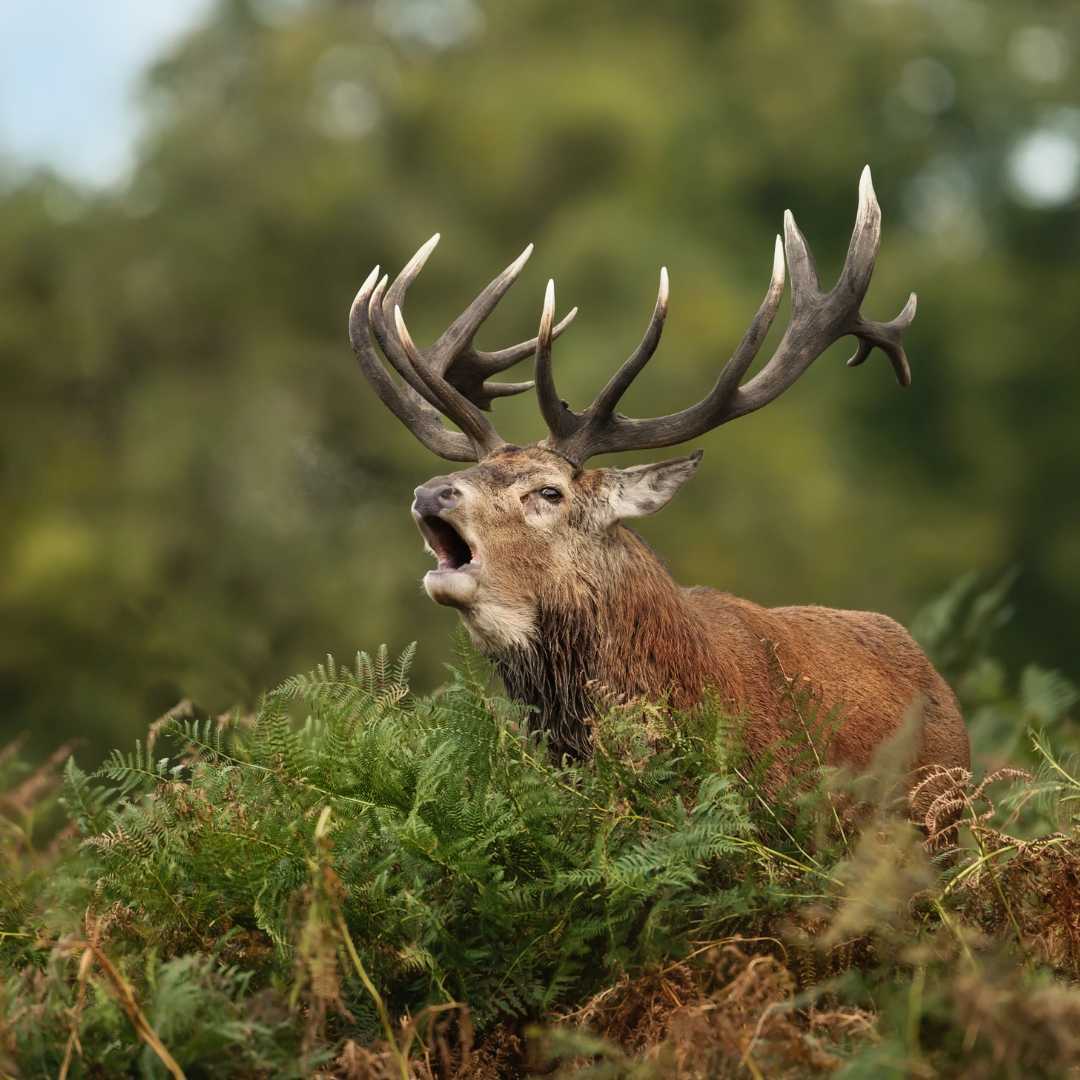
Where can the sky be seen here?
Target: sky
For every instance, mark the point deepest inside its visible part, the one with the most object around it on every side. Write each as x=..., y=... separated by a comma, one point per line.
x=68, y=75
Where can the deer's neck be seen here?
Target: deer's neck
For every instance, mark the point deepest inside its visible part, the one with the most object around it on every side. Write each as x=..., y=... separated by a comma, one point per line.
x=620, y=627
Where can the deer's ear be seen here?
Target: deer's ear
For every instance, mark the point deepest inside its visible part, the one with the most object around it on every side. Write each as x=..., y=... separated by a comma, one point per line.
x=643, y=489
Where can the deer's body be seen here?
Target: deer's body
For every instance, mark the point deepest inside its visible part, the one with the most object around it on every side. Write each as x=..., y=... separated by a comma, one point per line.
x=567, y=601
x=607, y=617
x=646, y=637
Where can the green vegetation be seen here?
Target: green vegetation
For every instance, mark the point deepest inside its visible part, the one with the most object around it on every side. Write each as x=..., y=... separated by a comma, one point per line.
x=199, y=491
x=356, y=882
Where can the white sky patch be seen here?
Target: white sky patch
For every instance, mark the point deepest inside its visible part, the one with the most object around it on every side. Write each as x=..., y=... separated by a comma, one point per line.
x=68, y=71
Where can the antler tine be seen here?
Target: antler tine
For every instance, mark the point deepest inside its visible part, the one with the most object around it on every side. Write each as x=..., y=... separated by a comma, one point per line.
x=617, y=385
x=861, y=256
x=449, y=377
x=382, y=300
x=480, y=393
x=462, y=330
x=887, y=337
x=865, y=240
x=454, y=404
x=468, y=374
x=817, y=320
x=581, y=435
x=453, y=356
x=831, y=316
x=465, y=367
x=395, y=297
x=741, y=359
x=507, y=389
x=561, y=421
x=804, y=278
x=393, y=350
x=412, y=411
x=501, y=359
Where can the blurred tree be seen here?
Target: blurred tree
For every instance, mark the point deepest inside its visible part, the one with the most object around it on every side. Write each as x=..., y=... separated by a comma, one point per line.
x=199, y=491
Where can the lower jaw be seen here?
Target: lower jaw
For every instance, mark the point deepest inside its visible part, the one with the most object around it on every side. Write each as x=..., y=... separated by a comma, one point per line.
x=452, y=588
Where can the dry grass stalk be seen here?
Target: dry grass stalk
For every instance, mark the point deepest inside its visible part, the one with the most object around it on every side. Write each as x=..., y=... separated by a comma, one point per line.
x=92, y=952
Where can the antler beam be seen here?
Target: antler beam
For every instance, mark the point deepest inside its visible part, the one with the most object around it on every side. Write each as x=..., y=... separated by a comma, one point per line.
x=818, y=319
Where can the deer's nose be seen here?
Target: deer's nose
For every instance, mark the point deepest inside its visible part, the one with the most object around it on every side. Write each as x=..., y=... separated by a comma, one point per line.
x=434, y=496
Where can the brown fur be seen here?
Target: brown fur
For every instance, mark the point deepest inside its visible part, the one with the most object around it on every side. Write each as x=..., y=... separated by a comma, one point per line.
x=569, y=598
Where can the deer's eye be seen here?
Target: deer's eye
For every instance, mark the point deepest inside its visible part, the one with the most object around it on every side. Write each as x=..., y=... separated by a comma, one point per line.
x=553, y=495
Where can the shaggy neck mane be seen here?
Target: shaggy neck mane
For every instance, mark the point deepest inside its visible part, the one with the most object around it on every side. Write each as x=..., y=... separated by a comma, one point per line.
x=620, y=623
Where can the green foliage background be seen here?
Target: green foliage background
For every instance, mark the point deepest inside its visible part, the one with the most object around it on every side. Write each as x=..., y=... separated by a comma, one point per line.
x=200, y=494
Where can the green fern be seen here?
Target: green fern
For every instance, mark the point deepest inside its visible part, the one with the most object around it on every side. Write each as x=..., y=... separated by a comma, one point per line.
x=270, y=886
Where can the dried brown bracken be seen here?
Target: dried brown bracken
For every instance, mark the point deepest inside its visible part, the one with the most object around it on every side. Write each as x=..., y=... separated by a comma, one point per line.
x=731, y=1012
x=1027, y=889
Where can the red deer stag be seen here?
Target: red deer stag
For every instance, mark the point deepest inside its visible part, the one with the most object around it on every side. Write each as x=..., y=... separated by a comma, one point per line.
x=532, y=550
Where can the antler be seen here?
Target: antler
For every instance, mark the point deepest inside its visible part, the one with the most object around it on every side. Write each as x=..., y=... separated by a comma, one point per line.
x=450, y=376
x=817, y=320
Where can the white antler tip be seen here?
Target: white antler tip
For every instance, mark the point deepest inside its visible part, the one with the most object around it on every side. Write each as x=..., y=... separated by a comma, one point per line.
x=867, y=195
x=416, y=263
x=778, y=260
x=567, y=319
x=791, y=227
x=402, y=329
x=370, y=280
x=547, y=316
x=515, y=267
x=792, y=234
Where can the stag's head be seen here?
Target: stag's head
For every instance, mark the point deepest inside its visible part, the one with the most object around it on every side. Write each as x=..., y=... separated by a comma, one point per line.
x=526, y=525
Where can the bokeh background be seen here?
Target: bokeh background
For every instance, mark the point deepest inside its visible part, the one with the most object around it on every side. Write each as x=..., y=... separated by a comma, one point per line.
x=200, y=494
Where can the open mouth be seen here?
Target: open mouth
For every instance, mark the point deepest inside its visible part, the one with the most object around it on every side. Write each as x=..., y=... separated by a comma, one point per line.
x=450, y=548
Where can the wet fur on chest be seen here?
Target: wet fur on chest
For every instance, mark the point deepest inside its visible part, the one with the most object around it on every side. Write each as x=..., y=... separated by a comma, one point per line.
x=554, y=675
x=614, y=634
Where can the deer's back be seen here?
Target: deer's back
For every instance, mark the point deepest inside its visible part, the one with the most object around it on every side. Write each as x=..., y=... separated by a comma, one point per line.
x=864, y=665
